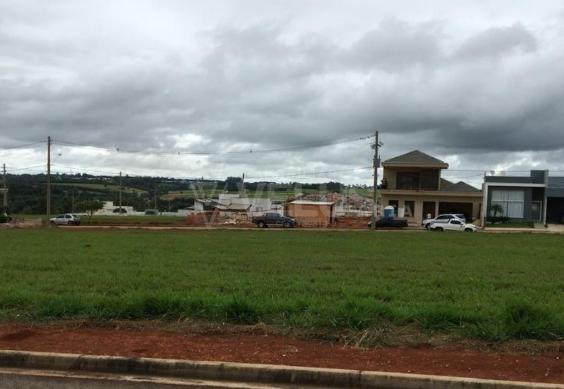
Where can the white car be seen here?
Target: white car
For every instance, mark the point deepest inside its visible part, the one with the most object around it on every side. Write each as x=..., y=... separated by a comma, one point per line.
x=453, y=225
x=443, y=218
x=66, y=219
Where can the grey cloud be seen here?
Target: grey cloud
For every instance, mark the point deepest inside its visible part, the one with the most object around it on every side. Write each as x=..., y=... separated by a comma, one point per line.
x=496, y=42
x=395, y=45
x=255, y=87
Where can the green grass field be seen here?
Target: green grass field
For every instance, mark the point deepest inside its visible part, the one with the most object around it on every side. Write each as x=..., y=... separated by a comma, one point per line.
x=489, y=286
x=156, y=220
x=105, y=220
x=102, y=187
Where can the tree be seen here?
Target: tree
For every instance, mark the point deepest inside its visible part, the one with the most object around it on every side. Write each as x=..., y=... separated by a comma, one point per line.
x=232, y=184
x=90, y=206
x=495, y=209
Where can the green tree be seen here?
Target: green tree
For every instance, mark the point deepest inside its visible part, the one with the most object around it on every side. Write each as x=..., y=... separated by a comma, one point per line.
x=495, y=209
x=90, y=206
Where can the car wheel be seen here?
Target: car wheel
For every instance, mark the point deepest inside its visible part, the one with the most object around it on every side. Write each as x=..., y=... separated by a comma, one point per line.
x=286, y=225
x=441, y=229
x=261, y=225
x=427, y=226
x=468, y=230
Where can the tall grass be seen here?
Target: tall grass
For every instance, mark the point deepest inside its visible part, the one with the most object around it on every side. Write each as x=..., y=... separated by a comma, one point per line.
x=494, y=287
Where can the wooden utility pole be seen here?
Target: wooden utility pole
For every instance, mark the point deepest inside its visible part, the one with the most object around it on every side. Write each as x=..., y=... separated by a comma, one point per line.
x=5, y=190
x=120, y=188
x=376, y=165
x=72, y=199
x=48, y=180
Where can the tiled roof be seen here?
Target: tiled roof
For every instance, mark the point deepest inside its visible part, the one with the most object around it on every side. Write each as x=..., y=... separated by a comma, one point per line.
x=460, y=186
x=415, y=158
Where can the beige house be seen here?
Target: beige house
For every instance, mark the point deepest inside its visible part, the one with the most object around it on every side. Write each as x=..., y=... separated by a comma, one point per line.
x=412, y=184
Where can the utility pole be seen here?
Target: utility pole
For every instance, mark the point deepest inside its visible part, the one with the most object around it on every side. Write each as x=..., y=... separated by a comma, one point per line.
x=48, y=180
x=376, y=165
x=72, y=199
x=5, y=190
x=120, y=188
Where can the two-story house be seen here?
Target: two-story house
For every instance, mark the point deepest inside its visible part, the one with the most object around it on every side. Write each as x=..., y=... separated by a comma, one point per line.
x=412, y=184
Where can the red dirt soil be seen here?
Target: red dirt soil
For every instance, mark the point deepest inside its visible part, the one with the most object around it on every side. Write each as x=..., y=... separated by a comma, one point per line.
x=286, y=350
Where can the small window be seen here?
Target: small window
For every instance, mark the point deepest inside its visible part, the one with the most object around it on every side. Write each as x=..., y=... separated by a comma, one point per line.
x=454, y=221
x=409, y=208
x=60, y=216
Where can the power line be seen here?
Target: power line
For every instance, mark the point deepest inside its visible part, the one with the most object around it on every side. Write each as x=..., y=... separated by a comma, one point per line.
x=311, y=173
x=27, y=145
x=205, y=153
x=25, y=168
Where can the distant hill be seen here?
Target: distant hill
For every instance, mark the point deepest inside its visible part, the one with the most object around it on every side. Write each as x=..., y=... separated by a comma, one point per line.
x=71, y=192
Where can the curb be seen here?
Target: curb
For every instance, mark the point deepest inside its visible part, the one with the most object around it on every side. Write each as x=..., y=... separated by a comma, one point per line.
x=248, y=373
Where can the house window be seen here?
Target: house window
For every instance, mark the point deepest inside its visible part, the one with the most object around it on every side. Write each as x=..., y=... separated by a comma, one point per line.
x=409, y=208
x=407, y=180
x=509, y=203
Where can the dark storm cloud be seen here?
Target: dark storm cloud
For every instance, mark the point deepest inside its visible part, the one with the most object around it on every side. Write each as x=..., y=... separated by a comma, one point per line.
x=242, y=86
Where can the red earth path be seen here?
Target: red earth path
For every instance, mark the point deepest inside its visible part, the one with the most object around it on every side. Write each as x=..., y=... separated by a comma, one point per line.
x=287, y=350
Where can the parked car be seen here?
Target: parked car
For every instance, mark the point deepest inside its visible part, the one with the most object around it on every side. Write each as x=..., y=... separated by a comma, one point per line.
x=66, y=219
x=443, y=218
x=274, y=219
x=453, y=225
x=387, y=222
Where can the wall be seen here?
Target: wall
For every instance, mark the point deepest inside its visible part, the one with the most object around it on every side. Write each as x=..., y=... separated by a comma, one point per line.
x=310, y=215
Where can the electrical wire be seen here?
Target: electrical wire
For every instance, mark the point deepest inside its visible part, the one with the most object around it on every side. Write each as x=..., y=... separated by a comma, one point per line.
x=311, y=174
x=11, y=169
x=27, y=145
x=205, y=153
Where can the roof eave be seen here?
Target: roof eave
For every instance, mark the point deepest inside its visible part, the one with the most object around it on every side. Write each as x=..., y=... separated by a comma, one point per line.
x=423, y=165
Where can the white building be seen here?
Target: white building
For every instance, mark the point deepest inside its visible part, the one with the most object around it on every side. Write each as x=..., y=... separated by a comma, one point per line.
x=110, y=209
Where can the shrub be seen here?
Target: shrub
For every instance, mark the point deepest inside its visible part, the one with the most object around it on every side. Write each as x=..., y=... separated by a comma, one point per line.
x=241, y=312
x=497, y=219
x=525, y=321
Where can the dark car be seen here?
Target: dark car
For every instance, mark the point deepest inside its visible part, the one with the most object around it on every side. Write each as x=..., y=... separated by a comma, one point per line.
x=274, y=219
x=389, y=223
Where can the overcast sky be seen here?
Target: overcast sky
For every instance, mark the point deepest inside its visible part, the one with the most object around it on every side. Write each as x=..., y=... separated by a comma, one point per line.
x=479, y=84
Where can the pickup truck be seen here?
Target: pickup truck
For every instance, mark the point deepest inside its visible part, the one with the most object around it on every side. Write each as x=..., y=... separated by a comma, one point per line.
x=453, y=225
x=274, y=219
x=387, y=222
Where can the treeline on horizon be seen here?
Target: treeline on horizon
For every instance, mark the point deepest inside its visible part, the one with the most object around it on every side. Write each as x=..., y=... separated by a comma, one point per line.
x=27, y=192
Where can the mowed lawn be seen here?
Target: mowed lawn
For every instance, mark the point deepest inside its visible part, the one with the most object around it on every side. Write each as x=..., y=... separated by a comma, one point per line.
x=491, y=286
